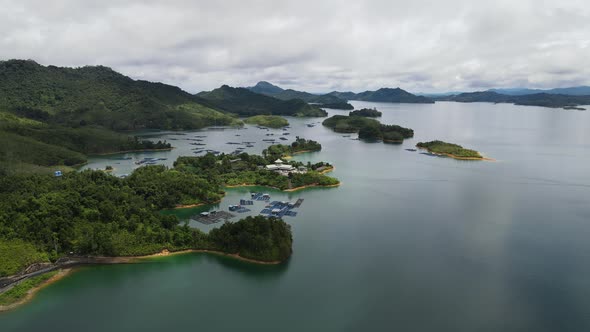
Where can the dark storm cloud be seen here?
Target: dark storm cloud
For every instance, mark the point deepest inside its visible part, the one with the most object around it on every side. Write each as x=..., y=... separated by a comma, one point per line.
x=312, y=45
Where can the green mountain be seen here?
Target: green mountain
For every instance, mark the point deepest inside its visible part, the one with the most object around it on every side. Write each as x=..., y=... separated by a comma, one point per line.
x=265, y=88
x=343, y=95
x=325, y=101
x=52, y=117
x=99, y=96
x=244, y=102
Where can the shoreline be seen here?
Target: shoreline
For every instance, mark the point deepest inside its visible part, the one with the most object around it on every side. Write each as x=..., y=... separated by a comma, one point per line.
x=166, y=253
x=456, y=157
x=313, y=185
x=328, y=170
x=31, y=293
x=64, y=272
x=287, y=190
x=188, y=206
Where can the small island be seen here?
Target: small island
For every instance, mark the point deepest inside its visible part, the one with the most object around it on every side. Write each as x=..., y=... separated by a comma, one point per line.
x=451, y=150
x=270, y=121
x=366, y=112
x=369, y=130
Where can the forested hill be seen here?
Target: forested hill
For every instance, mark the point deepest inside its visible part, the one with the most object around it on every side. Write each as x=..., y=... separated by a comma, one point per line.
x=385, y=95
x=54, y=117
x=97, y=95
x=271, y=90
x=537, y=99
x=247, y=103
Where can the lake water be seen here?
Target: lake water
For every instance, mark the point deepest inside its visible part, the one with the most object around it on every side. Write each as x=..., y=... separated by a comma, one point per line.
x=408, y=242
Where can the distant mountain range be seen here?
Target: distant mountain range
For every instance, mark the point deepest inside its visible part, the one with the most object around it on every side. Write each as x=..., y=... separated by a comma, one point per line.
x=326, y=100
x=387, y=95
x=537, y=99
x=571, y=91
x=384, y=95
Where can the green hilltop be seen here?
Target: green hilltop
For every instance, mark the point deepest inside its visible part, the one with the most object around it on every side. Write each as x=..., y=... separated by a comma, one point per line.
x=244, y=102
x=53, y=117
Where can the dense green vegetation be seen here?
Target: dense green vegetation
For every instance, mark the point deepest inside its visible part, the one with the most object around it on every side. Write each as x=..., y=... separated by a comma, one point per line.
x=15, y=255
x=34, y=145
x=386, y=95
x=448, y=148
x=99, y=96
x=260, y=238
x=366, y=112
x=271, y=121
x=21, y=289
x=250, y=170
x=299, y=145
x=244, y=102
x=94, y=213
x=348, y=124
x=51, y=116
x=368, y=129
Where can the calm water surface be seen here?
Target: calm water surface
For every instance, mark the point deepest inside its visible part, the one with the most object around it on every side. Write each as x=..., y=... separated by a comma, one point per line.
x=407, y=243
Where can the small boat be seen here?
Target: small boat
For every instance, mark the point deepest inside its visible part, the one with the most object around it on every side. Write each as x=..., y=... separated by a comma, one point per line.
x=412, y=150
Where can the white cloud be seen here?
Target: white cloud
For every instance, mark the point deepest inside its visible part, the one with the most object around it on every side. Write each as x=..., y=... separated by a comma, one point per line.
x=311, y=45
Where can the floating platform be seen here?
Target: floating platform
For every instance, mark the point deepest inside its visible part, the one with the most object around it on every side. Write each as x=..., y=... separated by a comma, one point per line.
x=213, y=217
x=281, y=209
x=260, y=197
x=246, y=202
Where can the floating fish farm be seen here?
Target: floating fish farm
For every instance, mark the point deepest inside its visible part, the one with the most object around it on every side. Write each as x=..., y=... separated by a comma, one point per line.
x=213, y=217
x=281, y=209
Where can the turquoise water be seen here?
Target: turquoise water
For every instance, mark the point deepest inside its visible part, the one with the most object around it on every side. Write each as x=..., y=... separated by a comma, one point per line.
x=408, y=242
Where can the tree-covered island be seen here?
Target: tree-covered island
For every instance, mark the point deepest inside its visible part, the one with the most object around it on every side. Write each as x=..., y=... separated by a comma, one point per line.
x=450, y=150
x=366, y=112
x=368, y=129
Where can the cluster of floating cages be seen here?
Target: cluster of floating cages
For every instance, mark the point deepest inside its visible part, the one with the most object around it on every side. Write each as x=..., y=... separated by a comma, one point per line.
x=213, y=217
x=239, y=209
x=281, y=209
x=260, y=197
x=149, y=161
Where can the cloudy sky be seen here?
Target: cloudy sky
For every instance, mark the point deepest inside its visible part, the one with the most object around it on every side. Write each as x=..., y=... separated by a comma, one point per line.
x=318, y=46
